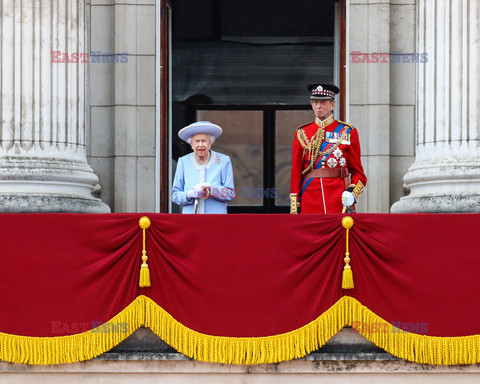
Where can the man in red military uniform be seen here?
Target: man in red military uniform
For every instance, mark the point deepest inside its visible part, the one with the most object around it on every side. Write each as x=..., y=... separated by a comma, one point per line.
x=327, y=173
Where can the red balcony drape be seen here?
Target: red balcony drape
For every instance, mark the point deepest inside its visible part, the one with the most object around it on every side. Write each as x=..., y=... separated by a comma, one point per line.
x=238, y=288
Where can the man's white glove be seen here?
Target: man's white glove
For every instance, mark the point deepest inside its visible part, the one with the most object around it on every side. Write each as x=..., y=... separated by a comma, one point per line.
x=195, y=192
x=348, y=199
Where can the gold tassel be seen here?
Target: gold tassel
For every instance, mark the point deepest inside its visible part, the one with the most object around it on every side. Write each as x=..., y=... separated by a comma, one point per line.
x=347, y=281
x=144, y=271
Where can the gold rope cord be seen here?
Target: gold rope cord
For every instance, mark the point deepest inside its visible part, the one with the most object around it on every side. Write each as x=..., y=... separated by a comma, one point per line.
x=144, y=280
x=347, y=279
x=310, y=146
x=314, y=145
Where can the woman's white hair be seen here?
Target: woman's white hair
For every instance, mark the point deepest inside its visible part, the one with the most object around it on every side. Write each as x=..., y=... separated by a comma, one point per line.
x=212, y=138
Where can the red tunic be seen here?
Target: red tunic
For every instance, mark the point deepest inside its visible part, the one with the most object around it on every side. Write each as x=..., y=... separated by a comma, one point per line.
x=324, y=195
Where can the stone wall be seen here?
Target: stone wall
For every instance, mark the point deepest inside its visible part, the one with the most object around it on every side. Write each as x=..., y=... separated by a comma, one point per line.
x=382, y=95
x=121, y=139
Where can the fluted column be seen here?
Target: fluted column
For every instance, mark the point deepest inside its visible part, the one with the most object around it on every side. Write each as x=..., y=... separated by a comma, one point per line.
x=445, y=176
x=43, y=163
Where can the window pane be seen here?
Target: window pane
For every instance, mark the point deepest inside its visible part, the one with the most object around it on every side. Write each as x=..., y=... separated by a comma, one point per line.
x=249, y=74
x=242, y=140
x=287, y=122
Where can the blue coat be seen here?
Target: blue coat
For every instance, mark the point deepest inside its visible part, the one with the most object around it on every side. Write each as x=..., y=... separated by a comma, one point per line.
x=217, y=171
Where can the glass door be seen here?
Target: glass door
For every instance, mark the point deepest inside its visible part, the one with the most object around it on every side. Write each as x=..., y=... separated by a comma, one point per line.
x=245, y=66
x=259, y=143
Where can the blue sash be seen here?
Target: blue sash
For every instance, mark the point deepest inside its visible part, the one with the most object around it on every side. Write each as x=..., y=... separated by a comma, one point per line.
x=318, y=163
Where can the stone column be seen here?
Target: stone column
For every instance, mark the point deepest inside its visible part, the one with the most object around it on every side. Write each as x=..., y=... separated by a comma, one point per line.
x=445, y=176
x=43, y=163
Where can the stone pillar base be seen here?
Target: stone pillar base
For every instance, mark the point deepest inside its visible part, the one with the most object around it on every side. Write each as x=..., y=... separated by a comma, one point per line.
x=48, y=185
x=48, y=203
x=438, y=204
x=442, y=187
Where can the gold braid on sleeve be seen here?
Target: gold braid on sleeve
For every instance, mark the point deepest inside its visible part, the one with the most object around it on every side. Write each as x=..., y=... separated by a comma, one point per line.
x=358, y=189
x=294, y=204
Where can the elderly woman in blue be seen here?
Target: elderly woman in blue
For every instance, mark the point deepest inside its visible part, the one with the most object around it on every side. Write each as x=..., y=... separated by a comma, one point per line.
x=204, y=178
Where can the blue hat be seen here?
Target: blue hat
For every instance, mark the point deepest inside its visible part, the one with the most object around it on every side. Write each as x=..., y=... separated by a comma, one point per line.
x=323, y=91
x=205, y=127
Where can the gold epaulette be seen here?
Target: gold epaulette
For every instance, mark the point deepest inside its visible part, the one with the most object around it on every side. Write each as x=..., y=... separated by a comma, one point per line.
x=304, y=125
x=344, y=123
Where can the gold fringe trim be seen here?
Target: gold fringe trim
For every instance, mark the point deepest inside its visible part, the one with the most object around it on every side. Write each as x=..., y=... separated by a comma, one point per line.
x=241, y=350
x=414, y=347
x=295, y=344
x=244, y=350
x=73, y=348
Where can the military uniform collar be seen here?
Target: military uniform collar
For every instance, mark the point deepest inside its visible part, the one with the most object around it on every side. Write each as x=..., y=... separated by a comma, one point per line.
x=324, y=123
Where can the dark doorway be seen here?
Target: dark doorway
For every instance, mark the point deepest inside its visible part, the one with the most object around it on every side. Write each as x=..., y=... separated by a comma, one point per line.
x=245, y=65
